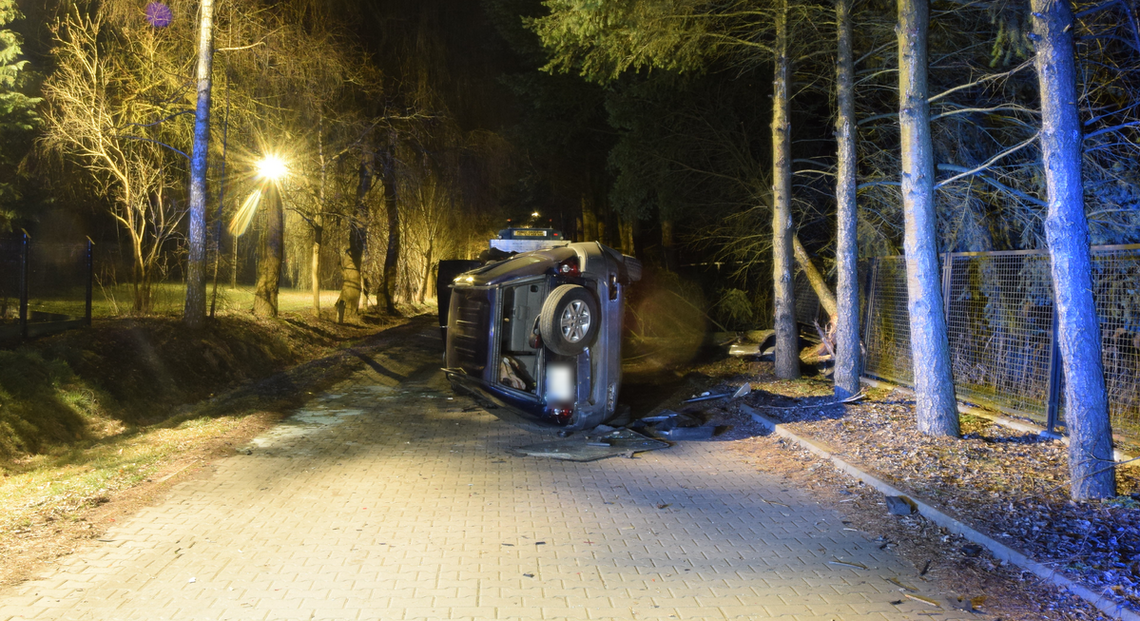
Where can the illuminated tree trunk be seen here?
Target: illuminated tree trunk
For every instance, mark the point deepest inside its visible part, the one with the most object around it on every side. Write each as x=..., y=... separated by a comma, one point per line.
x=848, y=353
x=935, y=404
x=392, y=207
x=318, y=225
x=194, y=313
x=272, y=254
x=1066, y=231
x=315, y=263
x=348, y=306
x=815, y=278
x=787, y=337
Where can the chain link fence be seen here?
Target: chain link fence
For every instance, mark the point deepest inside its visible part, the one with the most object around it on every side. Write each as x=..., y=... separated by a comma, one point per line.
x=44, y=288
x=999, y=314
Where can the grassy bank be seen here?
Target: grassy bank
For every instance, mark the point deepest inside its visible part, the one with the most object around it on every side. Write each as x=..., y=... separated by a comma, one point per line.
x=89, y=416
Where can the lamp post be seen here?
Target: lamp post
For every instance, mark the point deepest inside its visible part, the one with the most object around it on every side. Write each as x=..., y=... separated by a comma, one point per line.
x=271, y=249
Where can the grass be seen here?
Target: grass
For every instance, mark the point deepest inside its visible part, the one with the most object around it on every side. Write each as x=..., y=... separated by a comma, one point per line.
x=169, y=298
x=95, y=420
x=55, y=485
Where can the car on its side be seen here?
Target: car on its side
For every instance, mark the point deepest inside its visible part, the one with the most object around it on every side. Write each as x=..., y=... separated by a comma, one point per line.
x=540, y=332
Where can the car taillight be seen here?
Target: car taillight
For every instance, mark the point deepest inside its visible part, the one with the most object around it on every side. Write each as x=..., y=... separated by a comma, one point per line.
x=561, y=415
x=569, y=268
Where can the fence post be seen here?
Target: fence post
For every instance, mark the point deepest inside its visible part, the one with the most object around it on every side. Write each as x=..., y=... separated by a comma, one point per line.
x=872, y=280
x=947, y=266
x=90, y=276
x=1052, y=410
x=24, y=286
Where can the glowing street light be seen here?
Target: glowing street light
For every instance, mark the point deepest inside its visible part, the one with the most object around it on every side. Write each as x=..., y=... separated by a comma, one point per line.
x=272, y=168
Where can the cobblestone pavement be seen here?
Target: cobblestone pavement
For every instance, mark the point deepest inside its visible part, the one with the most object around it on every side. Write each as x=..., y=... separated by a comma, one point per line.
x=389, y=498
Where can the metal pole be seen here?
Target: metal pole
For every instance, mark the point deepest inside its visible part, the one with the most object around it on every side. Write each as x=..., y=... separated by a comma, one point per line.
x=868, y=319
x=947, y=266
x=1052, y=411
x=24, y=287
x=90, y=276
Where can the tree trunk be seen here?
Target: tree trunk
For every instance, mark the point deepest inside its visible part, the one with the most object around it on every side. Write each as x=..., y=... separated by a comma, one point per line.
x=272, y=253
x=848, y=354
x=816, y=279
x=425, y=284
x=315, y=263
x=319, y=222
x=194, y=313
x=392, y=256
x=668, y=246
x=935, y=404
x=626, y=228
x=787, y=337
x=589, y=216
x=351, y=262
x=1091, y=468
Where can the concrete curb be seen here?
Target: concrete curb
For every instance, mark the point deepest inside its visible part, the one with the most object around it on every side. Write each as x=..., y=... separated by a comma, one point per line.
x=954, y=525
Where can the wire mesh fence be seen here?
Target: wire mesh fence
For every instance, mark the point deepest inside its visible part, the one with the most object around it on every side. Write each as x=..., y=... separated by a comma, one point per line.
x=999, y=312
x=806, y=301
x=887, y=328
x=44, y=287
x=1116, y=290
x=999, y=324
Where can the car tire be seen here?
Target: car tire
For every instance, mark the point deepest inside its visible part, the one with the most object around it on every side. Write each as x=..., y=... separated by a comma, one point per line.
x=569, y=320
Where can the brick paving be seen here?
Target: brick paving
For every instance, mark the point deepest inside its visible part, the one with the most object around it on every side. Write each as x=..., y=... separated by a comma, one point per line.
x=390, y=498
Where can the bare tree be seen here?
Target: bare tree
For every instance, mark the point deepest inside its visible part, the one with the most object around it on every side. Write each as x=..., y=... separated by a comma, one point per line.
x=1066, y=229
x=194, y=313
x=935, y=404
x=387, y=170
x=270, y=253
x=95, y=107
x=787, y=335
x=352, y=260
x=849, y=356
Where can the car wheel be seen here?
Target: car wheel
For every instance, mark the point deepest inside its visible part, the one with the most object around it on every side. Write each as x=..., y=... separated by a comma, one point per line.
x=569, y=320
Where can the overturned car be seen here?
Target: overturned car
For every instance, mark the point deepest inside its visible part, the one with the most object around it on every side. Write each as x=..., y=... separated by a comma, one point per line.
x=540, y=332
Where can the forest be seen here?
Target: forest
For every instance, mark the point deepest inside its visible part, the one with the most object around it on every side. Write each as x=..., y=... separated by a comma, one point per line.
x=762, y=136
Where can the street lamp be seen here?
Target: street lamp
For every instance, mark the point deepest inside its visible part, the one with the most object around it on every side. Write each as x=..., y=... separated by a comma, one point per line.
x=271, y=168
x=272, y=252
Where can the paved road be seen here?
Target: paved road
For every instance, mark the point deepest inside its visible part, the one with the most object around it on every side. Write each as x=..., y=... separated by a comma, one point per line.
x=388, y=498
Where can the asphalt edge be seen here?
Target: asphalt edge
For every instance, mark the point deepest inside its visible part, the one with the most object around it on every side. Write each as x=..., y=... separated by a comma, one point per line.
x=999, y=550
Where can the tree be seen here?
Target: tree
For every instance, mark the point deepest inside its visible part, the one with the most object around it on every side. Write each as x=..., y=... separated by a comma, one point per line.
x=101, y=102
x=352, y=261
x=1066, y=230
x=849, y=356
x=603, y=40
x=935, y=404
x=787, y=333
x=271, y=252
x=194, y=313
x=17, y=111
x=387, y=170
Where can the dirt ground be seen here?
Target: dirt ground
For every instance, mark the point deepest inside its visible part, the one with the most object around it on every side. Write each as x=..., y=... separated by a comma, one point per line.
x=1011, y=485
